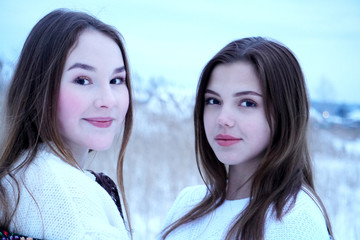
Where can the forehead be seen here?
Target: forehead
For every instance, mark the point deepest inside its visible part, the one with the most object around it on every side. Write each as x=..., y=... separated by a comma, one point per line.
x=240, y=75
x=93, y=46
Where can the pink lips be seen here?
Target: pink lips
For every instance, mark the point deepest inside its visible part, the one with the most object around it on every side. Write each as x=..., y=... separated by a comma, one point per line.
x=226, y=140
x=100, y=122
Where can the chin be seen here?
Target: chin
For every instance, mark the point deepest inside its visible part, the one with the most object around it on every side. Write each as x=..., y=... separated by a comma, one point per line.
x=229, y=159
x=99, y=149
x=100, y=145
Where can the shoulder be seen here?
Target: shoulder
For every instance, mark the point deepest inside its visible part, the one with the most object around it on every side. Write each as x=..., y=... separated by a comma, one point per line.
x=302, y=220
x=55, y=194
x=190, y=196
x=193, y=193
x=67, y=184
x=50, y=169
x=187, y=199
x=306, y=208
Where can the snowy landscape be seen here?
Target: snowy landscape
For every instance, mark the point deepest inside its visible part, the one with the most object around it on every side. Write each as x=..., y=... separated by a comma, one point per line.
x=160, y=159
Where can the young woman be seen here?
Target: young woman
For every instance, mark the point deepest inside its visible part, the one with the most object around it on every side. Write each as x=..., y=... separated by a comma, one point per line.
x=250, y=119
x=70, y=94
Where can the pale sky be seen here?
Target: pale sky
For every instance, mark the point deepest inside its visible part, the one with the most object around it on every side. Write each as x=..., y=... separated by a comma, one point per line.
x=173, y=40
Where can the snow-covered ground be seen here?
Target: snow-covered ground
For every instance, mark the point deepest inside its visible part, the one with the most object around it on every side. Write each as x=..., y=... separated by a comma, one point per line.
x=337, y=180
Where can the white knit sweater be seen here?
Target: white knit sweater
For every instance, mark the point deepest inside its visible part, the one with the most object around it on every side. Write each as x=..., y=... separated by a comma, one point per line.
x=59, y=201
x=303, y=222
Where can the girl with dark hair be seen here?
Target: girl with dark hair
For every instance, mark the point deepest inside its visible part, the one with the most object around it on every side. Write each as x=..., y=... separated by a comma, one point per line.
x=70, y=94
x=250, y=118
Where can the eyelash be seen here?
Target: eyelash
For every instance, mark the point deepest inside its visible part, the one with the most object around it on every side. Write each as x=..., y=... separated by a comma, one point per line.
x=253, y=104
x=80, y=80
x=213, y=101
x=122, y=80
x=209, y=99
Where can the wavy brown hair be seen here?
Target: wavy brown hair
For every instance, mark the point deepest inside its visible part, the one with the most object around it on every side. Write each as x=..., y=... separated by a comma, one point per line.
x=286, y=166
x=32, y=98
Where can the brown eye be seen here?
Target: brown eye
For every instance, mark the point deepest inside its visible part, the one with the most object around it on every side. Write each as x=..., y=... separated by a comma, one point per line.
x=82, y=81
x=211, y=101
x=248, y=103
x=117, y=81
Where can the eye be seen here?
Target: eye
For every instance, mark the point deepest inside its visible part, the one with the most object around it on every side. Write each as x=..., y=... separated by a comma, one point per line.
x=211, y=101
x=117, y=81
x=82, y=81
x=248, y=103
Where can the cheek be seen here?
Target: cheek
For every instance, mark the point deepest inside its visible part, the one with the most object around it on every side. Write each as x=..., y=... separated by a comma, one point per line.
x=69, y=105
x=209, y=123
x=261, y=130
x=123, y=102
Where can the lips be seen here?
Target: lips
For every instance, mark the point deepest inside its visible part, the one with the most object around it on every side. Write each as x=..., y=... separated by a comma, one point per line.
x=226, y=140
x=100, y=122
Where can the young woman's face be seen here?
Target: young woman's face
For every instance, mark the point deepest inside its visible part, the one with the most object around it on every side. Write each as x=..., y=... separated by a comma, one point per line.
x=93, y=98
x=234, y=116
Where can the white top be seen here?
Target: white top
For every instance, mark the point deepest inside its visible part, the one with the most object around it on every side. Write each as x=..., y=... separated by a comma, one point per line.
x=303, y=222
x=59, y=201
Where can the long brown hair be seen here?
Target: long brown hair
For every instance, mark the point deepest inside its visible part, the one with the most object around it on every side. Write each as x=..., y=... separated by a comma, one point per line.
x=286, y=166
x=33, y=94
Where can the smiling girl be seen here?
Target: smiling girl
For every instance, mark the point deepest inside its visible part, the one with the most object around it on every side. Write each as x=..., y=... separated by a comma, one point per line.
x=70, y=94
x=250, y=119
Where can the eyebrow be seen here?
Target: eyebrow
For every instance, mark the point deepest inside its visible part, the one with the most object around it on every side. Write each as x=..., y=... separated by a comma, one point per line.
x=82, y=66
x=119, y=69
x=238, y=94
x=93, y=69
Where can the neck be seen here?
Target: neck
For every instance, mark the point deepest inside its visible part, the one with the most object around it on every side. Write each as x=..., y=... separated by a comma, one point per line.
x=240, y=180
x=80, y=155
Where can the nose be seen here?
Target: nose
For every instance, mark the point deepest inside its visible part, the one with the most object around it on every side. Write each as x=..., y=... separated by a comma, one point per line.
x=104, y=97
x=225, y=118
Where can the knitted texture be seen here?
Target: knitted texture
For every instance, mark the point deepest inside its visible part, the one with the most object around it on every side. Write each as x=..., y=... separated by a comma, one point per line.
x=303, y=222
x=58, y=201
